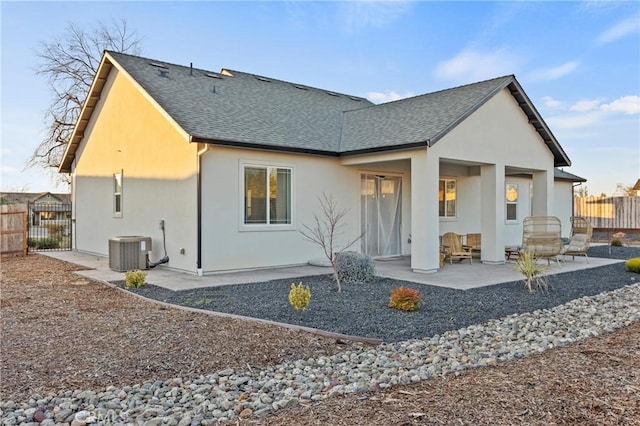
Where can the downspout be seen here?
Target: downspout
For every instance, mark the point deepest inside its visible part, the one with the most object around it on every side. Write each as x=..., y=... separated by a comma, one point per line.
x=199, y=209
x=573, y=198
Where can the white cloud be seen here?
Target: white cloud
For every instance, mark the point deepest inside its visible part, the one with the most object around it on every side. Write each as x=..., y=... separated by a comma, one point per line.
x=380, y=97
x=621, y=29
x=550, y=102
x=575, y=121
x=555, y=73
x=473, y=65
x=585, y=105
x=356, y=15
x=627, y=105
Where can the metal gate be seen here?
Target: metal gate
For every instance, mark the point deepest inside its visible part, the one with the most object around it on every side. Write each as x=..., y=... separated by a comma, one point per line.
x=49, y=226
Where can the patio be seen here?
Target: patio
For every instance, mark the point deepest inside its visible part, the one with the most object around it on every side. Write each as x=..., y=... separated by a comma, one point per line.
x=460, y=276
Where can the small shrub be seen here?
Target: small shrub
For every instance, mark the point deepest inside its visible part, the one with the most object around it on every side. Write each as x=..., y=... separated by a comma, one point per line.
x=135, y=279
x=354, y=267
x=405, y=299
x=43, y=243
x=534, y=278
x=299, y=296
x=633, y=264
x=56, y=229
x=616, y=242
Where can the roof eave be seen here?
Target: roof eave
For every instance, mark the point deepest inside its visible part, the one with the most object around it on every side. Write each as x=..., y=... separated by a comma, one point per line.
x=560, y=157
x=85, y=113
x=260, y=146
x=373, y=150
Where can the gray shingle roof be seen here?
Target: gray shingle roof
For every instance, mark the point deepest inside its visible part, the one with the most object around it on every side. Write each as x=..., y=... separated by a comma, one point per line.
x=244, y=108
x=562, y=175
x=416, y=120
x=241, y=109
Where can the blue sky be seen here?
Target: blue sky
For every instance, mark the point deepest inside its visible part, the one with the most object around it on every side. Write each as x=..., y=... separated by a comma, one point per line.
x=578, y=61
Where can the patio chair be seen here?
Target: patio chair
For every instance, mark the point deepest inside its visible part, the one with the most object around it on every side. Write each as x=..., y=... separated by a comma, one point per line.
x=541, y=235
x=581, y=233
x=455, y=248
x=475, y=241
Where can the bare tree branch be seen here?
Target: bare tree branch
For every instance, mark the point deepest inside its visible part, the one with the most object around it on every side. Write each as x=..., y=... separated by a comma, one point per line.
x=328, y=227
x=69, y=64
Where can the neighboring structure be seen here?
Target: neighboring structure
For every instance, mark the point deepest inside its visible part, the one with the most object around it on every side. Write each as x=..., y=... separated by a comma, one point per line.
x=43, y=207
x=233, y=163
x=636, y=188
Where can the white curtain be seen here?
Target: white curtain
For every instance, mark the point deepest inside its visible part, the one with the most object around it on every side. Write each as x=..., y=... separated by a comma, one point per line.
x=380, y=217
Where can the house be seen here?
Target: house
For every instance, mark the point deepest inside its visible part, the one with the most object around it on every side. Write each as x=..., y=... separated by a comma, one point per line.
x=636, y=188
x=43, y=207
x=233, y=163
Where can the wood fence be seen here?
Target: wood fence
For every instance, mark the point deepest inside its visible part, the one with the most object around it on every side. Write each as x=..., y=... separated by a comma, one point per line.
x=13, y=230
x=609, y=212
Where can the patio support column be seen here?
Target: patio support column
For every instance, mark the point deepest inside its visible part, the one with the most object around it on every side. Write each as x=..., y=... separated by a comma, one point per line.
x=542, y=193
x=492, y=211
x=425, y=222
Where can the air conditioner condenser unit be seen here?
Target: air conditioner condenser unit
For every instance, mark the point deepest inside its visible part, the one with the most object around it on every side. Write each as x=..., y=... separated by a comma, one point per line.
x=127, y=253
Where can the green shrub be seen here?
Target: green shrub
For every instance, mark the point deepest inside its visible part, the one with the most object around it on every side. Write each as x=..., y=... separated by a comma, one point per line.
x=43, y=243
x=616, y=242
x=353, y=267
x=534, y=278
x=633, y=264
x=135, y=279
x=299, y=296
x=405, y=299
x=56, y=229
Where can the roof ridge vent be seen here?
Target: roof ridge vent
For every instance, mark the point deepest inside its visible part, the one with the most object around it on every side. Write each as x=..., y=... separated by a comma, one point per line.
x=299, y=86
x=213, y=75
x=155, y=64
x=333, y=93
x=355, y=98
x=265, y=79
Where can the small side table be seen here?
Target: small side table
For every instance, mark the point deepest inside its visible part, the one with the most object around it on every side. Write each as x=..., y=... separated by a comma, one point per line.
x=510, y=251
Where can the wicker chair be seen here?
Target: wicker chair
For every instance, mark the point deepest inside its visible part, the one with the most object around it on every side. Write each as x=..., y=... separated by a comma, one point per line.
x=454, y=247
x=581, y=233
x=541, y=235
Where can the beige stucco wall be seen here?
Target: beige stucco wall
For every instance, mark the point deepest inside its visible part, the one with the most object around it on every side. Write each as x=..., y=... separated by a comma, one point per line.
x=497, y=133
x=128, y=133
x=229, y=245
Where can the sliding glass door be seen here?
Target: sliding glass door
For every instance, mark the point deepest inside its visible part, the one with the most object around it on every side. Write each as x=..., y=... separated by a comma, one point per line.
x=381, y=201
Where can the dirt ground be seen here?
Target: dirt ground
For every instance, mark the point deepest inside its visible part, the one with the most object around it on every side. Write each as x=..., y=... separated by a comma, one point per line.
x=60, y=331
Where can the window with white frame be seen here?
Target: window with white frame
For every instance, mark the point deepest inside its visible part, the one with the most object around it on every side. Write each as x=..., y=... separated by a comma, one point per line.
x=511, y=198
x=117, y=194
x=447, y=197
x=267, y=195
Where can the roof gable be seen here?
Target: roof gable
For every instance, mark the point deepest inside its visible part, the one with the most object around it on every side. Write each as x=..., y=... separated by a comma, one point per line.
x=239, y=107
x=425, y=119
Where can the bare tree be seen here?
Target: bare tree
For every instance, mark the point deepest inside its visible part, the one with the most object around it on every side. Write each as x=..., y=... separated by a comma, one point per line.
x=329, y=226
x=583, y=191
x=69, y=63
x=625, y=190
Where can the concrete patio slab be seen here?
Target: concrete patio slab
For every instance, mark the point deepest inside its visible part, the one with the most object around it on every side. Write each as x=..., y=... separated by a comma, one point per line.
x=461, y=276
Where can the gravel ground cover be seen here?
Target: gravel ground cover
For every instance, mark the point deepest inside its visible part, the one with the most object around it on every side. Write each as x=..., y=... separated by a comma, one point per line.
x=362, y=309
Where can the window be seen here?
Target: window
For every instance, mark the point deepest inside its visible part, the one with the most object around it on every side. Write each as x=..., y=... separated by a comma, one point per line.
x=267, y=195
x=511, y=197
x=447, y=198
x=117, y=194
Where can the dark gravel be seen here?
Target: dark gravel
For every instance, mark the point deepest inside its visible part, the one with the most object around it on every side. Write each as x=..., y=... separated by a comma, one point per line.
x=362, y=309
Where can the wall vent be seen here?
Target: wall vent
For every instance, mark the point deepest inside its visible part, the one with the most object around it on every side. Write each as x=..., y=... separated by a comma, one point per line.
x=129, y=253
